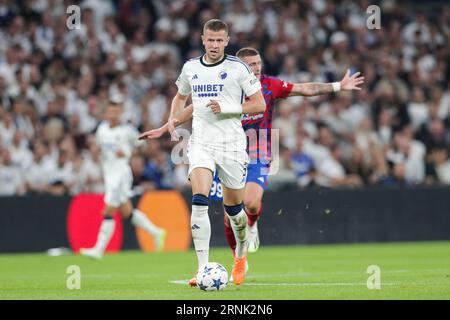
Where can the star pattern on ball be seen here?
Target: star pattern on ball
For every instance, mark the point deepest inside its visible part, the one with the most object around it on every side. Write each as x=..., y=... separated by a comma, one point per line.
x=207, y=270
x=217, y=283
x=202, y=286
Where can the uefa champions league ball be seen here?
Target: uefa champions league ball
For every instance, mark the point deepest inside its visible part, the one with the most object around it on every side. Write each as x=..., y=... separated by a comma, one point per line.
x=212, y=277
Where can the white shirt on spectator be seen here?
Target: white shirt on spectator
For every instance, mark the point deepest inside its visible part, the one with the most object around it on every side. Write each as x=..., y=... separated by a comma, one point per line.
x=39, y=172
x=443, y=172
x=140, y=53
x=414, y=161
x=110, y=44
x=327, y=170
x=156, y=110
x=101, y=9
x=418, y=113
x=21, y=156
x=11, y=180
x=7, y=133
x=64, y=174
x=93, y=170
x=317, y=152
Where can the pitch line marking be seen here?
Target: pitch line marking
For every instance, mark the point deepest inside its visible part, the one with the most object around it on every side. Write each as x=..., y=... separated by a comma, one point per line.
x=300, y=284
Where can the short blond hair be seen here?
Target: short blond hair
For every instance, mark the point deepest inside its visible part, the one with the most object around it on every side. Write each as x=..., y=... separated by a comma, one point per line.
x=215, y=25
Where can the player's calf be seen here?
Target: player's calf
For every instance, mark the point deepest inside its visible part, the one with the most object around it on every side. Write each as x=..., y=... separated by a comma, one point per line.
x=238, y=220
x=200, y=227
x=229, y=234
x=104, y=236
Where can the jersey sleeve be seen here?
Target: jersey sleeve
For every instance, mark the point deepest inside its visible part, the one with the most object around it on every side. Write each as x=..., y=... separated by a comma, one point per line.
x=281, y=88
x=248, y=81
x=182, y=83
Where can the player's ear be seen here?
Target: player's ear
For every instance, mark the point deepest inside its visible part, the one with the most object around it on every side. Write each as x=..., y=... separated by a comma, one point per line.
x=228, y=40
x=203, y=40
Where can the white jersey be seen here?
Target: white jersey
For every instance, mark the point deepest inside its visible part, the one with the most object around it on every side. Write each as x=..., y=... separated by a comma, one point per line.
x=228, y=82
x=122, y=137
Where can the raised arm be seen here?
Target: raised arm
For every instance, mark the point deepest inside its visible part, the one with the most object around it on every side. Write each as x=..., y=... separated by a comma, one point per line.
x=315, y=88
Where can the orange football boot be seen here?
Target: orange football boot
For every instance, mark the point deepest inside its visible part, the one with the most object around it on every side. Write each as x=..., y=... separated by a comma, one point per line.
x=238, y=271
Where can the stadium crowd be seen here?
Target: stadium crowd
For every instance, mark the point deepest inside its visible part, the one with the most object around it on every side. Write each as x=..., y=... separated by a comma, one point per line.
x=54, y=83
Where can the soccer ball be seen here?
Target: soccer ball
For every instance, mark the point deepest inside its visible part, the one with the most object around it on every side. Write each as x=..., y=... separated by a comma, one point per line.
x=212, y=277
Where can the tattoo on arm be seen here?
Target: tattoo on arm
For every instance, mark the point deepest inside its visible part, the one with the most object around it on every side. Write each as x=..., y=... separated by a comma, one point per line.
x=311, y=89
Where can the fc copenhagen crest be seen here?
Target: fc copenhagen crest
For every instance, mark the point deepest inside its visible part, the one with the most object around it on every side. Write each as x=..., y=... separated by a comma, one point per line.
x=223, y=74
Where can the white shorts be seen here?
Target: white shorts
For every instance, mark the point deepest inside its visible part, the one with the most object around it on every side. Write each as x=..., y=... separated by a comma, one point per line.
x=118, y=188
x=230, y=164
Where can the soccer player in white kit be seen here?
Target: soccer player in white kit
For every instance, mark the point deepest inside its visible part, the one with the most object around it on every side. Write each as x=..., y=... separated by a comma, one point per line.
x=117, y=142
x=218, y=84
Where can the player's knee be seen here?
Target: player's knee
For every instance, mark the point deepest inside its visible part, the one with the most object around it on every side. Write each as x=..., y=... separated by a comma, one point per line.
x=200, y=200
x=234, y=210
x=125, y=213
x=252, y=206
x=108, y=211
x=199, y=207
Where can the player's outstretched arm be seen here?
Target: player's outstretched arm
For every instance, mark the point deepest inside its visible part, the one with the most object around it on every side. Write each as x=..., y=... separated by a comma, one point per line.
x=184, y=116
x=315, y=88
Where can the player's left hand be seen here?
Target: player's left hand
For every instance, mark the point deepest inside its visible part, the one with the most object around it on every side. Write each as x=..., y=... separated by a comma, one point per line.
x=351, y=82
x=214, y=105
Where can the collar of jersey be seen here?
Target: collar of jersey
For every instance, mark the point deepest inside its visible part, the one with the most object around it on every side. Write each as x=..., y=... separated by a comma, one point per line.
x=214, y=64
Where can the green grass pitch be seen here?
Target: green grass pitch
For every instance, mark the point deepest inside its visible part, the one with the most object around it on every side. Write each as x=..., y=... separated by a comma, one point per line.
x=418, y=270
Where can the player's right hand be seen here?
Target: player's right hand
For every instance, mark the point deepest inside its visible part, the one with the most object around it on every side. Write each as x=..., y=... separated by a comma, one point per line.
x=215, y=106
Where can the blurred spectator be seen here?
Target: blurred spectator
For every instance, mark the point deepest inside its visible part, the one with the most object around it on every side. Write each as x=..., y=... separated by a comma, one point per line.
x=302, y=165
x=417, y=109
x=281, y=169
x=7, y=128
x=366, y=140
x=91, y=168
x=21, y=156
x=180, y=177
x=285, y=124
x=62, y=176
x=141, y=181
x=160, y=171
x=441, y=166
x=37, y=177
x=331, y=173
x=11, y=176
x=410, y=154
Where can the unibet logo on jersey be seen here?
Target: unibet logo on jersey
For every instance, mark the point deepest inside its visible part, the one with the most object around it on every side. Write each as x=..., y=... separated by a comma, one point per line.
x=207, y=90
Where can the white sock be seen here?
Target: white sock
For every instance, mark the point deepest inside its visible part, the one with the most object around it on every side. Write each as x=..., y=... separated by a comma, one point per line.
x=201, y=233
x=104, y=235
x=239, y=225
x=139, y=219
